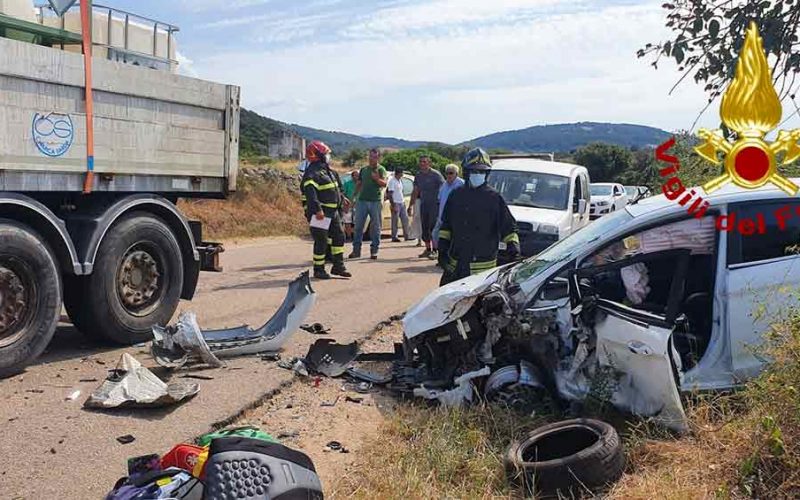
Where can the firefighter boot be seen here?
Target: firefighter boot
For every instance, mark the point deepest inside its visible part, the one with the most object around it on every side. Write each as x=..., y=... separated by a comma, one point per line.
x=338, y=268
x=320, y=273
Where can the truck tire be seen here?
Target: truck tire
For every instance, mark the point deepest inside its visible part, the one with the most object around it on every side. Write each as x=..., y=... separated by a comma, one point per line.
x=30, y=296
x=566, y=458
x=136, y=282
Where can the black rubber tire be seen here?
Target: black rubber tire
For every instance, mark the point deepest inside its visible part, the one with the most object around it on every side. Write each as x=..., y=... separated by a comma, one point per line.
x=97, y=310
x=578, y=454
x=22, y=246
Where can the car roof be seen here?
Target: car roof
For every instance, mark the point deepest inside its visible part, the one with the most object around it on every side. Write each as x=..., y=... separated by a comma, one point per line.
x=730, y=193
x=536, y=165
x=606, y=184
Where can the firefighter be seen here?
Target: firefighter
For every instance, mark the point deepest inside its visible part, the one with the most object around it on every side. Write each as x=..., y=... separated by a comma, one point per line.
x=474, y=222
x=322, y=199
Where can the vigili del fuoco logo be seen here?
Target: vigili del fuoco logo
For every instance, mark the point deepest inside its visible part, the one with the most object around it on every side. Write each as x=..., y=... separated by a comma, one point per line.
x=751, y=108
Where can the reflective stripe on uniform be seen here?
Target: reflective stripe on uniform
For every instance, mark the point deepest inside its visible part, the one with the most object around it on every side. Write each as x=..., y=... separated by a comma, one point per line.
x=320, y=187
x=330, y=205
x=512, y=238
x=478, y=267
x=444, y=234
x=337, y=250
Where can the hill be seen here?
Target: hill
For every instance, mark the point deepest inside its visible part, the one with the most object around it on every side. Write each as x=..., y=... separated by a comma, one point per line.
x=256, y=131
x=342, y=142
x=570, y=136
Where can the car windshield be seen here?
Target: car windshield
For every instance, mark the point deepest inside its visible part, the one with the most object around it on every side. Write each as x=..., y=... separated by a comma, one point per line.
x=531, y=189
x=598, y=190
x=564, y=249
x=631, y=191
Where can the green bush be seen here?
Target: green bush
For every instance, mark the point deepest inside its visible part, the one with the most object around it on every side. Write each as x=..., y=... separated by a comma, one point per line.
x=408, y=160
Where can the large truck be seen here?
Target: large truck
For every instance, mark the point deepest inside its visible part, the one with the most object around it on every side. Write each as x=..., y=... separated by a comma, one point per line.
x=105, y=240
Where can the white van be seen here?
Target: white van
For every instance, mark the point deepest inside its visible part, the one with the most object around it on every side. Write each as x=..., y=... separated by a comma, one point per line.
x=549, y=200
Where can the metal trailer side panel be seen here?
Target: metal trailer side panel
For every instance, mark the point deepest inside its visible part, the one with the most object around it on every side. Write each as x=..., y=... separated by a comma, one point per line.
x=154, y=131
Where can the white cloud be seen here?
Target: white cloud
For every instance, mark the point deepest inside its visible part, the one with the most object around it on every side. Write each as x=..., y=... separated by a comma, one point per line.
x=403, y=19
x=185, y=65
x=456, y=83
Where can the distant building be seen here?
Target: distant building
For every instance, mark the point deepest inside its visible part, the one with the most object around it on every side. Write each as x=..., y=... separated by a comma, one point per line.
x=287, y=144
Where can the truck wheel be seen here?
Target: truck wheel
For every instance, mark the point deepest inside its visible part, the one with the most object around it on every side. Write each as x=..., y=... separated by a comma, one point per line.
x=30, y=296
x=136, y=282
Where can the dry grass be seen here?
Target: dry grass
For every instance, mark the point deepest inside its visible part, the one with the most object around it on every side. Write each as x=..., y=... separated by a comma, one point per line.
x=741, y=445
x=257, y=209
x=427, y=452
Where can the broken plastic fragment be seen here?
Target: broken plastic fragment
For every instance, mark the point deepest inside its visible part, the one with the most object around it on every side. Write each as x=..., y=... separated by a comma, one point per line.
x=329, y=358
x=458, y=396
x=173, y=346
x=132, y=385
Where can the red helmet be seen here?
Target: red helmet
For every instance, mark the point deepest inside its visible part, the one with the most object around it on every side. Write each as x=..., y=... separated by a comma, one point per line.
x=316, y=151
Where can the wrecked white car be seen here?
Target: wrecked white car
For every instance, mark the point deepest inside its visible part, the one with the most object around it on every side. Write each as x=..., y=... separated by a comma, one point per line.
x=648, y=302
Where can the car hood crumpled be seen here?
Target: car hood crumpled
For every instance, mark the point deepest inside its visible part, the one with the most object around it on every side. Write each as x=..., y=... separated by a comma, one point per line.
x=447, y=303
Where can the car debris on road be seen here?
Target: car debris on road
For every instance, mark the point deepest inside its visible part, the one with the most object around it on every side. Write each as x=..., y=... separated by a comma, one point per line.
x=133, y=385
x=174, y=346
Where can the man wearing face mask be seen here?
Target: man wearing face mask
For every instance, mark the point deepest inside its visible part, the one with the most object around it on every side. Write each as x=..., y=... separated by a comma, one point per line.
x=323, y=202
x=474, y=222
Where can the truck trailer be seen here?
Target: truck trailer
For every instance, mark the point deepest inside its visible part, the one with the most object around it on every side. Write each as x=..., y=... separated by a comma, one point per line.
x=88, y=216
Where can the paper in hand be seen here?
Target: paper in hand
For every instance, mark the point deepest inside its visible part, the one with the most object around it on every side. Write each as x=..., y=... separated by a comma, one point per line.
x=323, y=223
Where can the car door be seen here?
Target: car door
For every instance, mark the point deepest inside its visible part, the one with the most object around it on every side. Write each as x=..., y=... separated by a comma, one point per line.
x=636, y=345
x=763, y=276
x=619, y=197
x=580, y=211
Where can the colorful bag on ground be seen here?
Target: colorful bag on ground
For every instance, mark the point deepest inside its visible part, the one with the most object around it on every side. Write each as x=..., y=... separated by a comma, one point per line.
x=248, y=432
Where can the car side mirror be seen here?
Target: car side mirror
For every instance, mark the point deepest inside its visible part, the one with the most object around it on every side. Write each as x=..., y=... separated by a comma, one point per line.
x=581, y=206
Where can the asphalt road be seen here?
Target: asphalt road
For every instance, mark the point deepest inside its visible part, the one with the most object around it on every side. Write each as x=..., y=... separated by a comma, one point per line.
x=52, y=448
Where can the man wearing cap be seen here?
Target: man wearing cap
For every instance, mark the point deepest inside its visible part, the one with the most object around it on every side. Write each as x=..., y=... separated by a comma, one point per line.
x=394, y=193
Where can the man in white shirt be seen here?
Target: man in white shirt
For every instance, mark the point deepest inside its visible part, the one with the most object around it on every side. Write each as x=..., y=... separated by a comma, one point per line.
x=394, y=192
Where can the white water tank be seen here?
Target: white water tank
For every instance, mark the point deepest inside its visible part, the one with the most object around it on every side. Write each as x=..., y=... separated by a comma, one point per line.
x=140, y=35
x=21, y=9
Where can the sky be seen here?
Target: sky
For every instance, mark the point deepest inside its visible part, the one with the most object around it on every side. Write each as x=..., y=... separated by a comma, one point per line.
x=444, y=70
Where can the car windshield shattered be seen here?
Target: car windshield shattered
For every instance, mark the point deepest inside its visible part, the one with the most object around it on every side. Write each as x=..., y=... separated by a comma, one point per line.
x=564, y=249
x=531, y=189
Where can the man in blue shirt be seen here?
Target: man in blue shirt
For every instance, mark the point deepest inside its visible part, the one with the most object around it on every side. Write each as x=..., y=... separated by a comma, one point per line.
x=452, y=182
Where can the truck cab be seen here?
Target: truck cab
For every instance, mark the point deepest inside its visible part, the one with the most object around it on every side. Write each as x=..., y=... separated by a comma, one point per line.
x=549, y=200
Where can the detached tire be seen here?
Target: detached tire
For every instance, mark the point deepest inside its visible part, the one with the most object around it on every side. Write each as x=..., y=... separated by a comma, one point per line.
x=566, y=457
x=136, y=282
x=30, y=296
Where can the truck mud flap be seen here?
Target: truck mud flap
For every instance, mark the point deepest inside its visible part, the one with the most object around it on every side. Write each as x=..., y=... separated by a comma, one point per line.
x=174, y=346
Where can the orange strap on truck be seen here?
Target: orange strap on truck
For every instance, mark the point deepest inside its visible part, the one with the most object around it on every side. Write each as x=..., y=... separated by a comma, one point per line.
x=86, y=28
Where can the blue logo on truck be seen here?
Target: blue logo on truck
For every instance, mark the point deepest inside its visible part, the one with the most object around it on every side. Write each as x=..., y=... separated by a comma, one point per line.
x=53, y=133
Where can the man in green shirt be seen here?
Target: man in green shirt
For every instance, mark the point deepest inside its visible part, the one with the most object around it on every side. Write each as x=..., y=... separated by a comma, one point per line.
x=369, y=191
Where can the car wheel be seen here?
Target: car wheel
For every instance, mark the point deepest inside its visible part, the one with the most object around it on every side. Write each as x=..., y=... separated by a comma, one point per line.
x=566, y=457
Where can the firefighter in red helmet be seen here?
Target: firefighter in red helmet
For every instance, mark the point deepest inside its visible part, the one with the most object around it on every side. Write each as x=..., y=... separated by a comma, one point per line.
x=323, y=203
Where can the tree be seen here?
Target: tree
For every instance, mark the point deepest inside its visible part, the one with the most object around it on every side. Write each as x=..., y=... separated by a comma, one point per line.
x=408, y=160
x=710, y=33
x=354, y=157
x=605, y=162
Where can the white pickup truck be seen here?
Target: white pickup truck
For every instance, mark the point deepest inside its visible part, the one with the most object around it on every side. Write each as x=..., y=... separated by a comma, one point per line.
x=549, y=200
x=100, y=233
